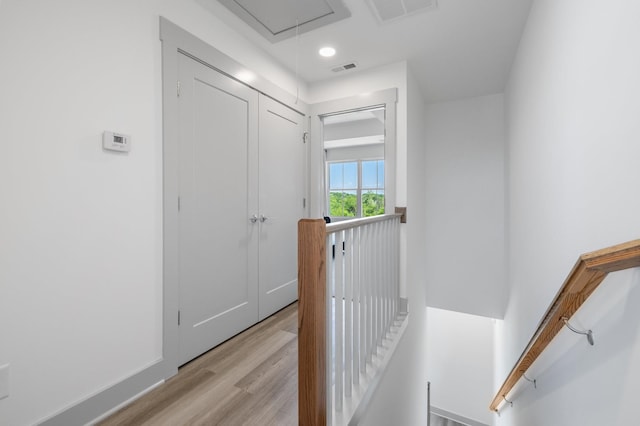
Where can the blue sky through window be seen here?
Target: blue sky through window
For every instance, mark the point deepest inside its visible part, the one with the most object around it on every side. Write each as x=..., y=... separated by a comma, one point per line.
x=373, y=174
x=343, y=175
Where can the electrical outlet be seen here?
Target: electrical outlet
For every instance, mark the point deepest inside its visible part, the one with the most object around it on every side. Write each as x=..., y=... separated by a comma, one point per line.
x=4, y=381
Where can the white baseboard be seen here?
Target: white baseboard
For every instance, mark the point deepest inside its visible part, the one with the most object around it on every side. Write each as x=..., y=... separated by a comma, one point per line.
x=124, y=404
x=104, y=402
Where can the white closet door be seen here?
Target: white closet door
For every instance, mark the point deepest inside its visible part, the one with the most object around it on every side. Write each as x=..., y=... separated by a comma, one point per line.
x=217, y=182
x=282, y=183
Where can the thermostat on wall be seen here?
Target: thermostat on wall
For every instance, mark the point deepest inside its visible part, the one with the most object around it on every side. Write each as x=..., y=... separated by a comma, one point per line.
x=116, y=142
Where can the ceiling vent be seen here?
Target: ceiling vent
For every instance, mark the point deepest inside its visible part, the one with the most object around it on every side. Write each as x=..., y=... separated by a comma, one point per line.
x=390, y=10
x=277, y=20
x=345, y=67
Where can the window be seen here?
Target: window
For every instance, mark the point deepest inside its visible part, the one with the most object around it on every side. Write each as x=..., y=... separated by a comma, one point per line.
x=356, y=188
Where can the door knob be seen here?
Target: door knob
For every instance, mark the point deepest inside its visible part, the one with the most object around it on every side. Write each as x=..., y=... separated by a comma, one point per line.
x=253, y=219
x=263, y=218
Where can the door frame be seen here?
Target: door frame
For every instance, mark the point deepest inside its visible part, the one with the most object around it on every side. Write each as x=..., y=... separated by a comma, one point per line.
x=177, y=41
x=387, y=98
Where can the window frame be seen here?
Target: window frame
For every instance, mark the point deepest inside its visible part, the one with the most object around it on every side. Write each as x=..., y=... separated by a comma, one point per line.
x=359, y=187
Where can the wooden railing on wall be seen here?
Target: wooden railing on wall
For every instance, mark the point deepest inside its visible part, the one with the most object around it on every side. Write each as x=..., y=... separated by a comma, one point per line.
x=590, y=270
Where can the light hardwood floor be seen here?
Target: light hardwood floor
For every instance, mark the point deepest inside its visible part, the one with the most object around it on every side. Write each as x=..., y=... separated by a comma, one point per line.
x=252, y=379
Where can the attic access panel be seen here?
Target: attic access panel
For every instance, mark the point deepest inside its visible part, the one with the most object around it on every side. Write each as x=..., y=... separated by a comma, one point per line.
x=276, y=19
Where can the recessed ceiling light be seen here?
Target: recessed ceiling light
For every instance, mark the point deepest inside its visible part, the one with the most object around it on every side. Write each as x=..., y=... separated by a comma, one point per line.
x=327, y=51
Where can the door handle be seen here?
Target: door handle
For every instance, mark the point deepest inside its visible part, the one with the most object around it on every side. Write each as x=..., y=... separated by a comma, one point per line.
x=263, y=218
x=253, y=219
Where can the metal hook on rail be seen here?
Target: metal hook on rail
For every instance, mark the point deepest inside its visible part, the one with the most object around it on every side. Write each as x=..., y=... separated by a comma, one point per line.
x=534, y=381
x=587, y=333
x=505, y=398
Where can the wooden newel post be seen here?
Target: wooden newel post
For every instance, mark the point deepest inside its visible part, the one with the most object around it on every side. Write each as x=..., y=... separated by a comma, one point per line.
x=312, y=391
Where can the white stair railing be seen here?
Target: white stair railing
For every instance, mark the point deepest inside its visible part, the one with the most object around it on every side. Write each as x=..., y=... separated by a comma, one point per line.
x=359, y=269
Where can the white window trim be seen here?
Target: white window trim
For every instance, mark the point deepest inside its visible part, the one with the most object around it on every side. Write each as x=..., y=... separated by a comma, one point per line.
x=359, y=188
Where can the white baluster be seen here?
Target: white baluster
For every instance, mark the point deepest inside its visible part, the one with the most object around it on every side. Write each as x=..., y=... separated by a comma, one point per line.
x=329, y=325
x=348, y=305
x=374, y=288
x=389, y=266
x=367, y=291
x=385, y=273
x=394, y=281
x=384, y=246
x=378, y=285
x=396, y=259
x=363, y=299
x=357, y=274
x=339, y=320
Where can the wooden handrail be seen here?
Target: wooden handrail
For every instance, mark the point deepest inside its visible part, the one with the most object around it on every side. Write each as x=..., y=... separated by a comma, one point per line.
x=361, y=221
x=587, y=274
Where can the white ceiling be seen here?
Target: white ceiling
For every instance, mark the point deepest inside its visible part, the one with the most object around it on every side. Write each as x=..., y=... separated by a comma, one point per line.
x=462, y=48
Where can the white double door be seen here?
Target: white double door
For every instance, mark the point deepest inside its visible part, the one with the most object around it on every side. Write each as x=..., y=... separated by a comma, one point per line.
x=241, y=186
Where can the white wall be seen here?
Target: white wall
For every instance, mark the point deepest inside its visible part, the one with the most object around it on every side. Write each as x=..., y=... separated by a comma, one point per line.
x=573, y=103
x=465, y=206
x=402, y=396
x=460, y=363
x=80, y=258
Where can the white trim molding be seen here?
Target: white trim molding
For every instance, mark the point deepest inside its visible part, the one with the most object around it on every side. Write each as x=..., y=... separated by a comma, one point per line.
x=387, y=98
x=456, y=417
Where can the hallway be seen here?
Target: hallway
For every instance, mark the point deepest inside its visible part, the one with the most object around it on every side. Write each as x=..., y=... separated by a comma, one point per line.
x=251, y=379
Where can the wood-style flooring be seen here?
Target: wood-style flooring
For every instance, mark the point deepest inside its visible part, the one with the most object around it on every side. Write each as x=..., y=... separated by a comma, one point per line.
x=251, y=379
